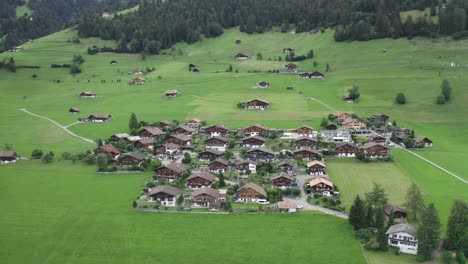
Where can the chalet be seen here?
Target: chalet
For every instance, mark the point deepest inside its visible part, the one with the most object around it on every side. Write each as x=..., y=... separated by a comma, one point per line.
x=8, y=156
x=424, y=140
x=375, y=150
x=335, y=135
x=319, y=185
x=288, y=50
x=171, y=171
x=16, y=49
x=191, y=65
x=245, y=166
x=144, y=143
x=255, y=130
x=210, y=154
x=129, y=159
x=87, y=95
x=261, y=154
x=241, y=56
x=113, y=62
x=380, y=119
x=345, y=149
x=378, y=139
x=317, y=75
x=398, y=213
x=132, y=139
x=342, y=116
x=206, y=197
x=137, y=71
x=285, y=206
x=250, y=193
x=253, y=142
x=118, y=137
x=303, y=131
x=403, y=236
x=290, y=67
x=168, y=149
x=151, y=133
x=164, y=123
x=305, y=143
x=331, y=127
x=305, y=75
x=307, y=154
x=171, y=93
x=181, y=129
x=109, y=150
x=193, y=123
x=138, y=80
x=219, y=165
x=165, y=194
x=257, y=104
x=217, y=130
x=217, y=143
x=285, y=166
x=262, y=85
x=316, y=167
x=179, y=139
x=99, y=118
x=200, y=180
x=348, y=99
x=353, y=124
x=73, y=111
x=282, y=180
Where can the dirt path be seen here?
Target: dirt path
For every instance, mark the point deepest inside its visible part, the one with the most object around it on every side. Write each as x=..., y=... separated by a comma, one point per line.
x=57, y=124
x=322, y=103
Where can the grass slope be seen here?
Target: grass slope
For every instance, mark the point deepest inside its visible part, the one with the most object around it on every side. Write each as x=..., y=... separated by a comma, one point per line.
x=65, y=213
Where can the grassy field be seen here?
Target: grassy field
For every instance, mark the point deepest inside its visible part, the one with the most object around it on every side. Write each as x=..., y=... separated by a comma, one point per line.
x=66, y=213
x=21, y=10
x=419, y=13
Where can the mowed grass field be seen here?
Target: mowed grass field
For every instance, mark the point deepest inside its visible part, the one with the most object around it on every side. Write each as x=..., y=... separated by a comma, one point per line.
x=67, y=213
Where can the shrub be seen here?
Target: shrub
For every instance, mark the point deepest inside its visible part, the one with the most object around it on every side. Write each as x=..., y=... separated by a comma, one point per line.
x=36, y=154
x=134, y=204
x=75, y=69
x=296, y=192
x=461, y=258
x=395, y=250
x=316, y=195
x=317, y=202
x=332, y=202
x=324, y=199
x=441, y=100
x=400, y=99
x=363, y=234
x=372, y=244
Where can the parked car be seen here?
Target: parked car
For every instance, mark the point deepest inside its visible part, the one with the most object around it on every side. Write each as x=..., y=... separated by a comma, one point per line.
x=300, y=206
x=263, y=201
x=326, y=193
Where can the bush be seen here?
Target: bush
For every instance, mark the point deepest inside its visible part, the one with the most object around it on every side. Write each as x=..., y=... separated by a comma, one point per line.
x=134, y=204
x=372, y=244
x=441, y=100
x=460, y=258
x=332, y=202
x=395, y=250
x=324, y=199
x=296, y=192
x=75, y=69
x=363, y=234
x=317, y=202
x=316, y=195
x=400, y=99
x=37, y=154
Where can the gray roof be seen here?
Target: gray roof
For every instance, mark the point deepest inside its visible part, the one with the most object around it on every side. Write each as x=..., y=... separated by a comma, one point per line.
x=254, y=187
x=407, y=228
x=135, y=155
x=7, y=154
x=262, y=150
x=282, y=175
x=204, y=175
x=182, y=137
x=176, y=167
x=164, y=189
x=388, y=209
x=373, y=144
x=206, y=190
x=155, y=131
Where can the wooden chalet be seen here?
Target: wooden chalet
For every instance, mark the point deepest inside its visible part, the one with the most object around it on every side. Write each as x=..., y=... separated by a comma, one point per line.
x=319, y=185
x=168, y=149
x=305, y=143
x=381, y=119
x=282, y=180
x=219, y=165
x=244, y=167
x=205, y=197
x=8, y=156
x=353, y=124
x=217, y=143
x=109, y=150
x=200, y=180
x=398, y=213
x=138, y=81
x=250, y=193
x=217, y=130
x=73, y=111
x=285, y=166
x=165, y=194
x=179, y=139
x=99, y=118
x=255, y=130
x=378, y=139
x=129, y=159
x=257, y=104
x=171, y=93
x=422, y=139
x=262, y=85
x=261, y=154
x=307, y=154
x=210, y=154
x=181, y=129
x=193, y=123
x=253, y=142
x=241, y=56
x=316, y=167
x=317, y=75
x=144, y=143
x=164, y=123
x=303, y=131
x=345, y=149
x=290, y=67
x=119, y=136
x=171, y=171
x=375, y=150
x=87, y=95
x=137, y=72
x=151, y=133
x=342, y=116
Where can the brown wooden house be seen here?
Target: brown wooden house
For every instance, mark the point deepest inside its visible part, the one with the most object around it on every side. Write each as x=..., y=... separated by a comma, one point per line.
x=87, y=95
x=144, y=143
x=109, y=150
x=253, y=142
x=171, y=93
x=250, y=193
x=151, y=133
x=219, y=165
x=305, y=143
x=194, y=123
x=422, y=139
x=261, y=154
x=285, y=166
x=73, y=111
x=398, y=213
x=375, y=150
x=118, y=137
x=257, y=104
x=307, y=154
x=316, y=167
x=303, y=131
x=342, y=116
x=205, y=197
x=319, y=185
x=179, y=139
x=345, y=150
x=378, y=139
x=210, y=154
x=282, y=180
x=255, y=130
x=200, y=179
x=217, y=143
x=165, y=123
x=217, y=130
x=181, y=129
x=165, y=194
x=317, y=75
x=99, y=118
x=245, y=166
x=130, y=159
x=8, y=156
x=171, y=171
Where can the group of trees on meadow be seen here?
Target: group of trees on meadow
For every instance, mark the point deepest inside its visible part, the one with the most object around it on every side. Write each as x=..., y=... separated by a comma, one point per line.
x=443, y=98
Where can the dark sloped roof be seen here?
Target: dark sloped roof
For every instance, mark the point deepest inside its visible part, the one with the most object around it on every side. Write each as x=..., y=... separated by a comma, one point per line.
x=254, y=187
x=373, y=144
x=7, y=154
x=135, y=155
x=109, y=148
x=390, y=208
x=164, y=189
x=204, y=175
x=282, y=175
x=206, y=190
x=262, y=150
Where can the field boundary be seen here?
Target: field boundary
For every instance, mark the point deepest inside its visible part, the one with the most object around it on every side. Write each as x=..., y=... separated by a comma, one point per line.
x=57, y=124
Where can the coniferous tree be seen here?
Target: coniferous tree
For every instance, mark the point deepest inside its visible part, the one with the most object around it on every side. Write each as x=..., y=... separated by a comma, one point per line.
x=133, y=122
x=428, y=233
x=377, y=197
x=381, y=230
x=357, y=214
x=457, y=227
x=414, y=202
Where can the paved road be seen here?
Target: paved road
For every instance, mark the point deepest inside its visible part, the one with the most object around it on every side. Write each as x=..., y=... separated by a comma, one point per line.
x=57, y=124
x=322, y=103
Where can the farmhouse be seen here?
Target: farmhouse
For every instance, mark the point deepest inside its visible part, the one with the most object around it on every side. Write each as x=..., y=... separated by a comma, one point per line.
x=118, y=137
x=171, y=171
x=181, y=129
x=375, y=150
x=217, y=143
x=108, y=149
x=245, y=166
x=288, y=50
x=87, y=95
x=132, y=139
x=303, y=131
x=403, y=236
x=138, y=80
x=113, y=62
x=99, y=118
x=307, y=154
x=262, y=85
x=379, y=119
x=253, y=142
x=210, y=154
x=316, y=167
x=165, y=194
x=290, y=67
x=151, y=133
x=193, y=123
x=305, y=143
x=398, y=213
x=353, y=124
x=257, y=104
x=179, y=140
x=285, y=166
x=317, y=75
x=378, y=139
x=169, y=149
x=255, y=130
x=319, y=185
x=282, y=180
x=345, y=149
x=261, y=154
x=8, y=156
x=342, y=116
x=250, y=193
x=171, y=93
x=241, y=56
x=133, y=158
x=206, y=197
x=422, y=139
x=73, y=111
x=304, y=75
x=137, y=71
x=16, y=49
x=219, y=165
x=200, y=179
x=144, y=143
x=217, y=130
x=335, y=135
x=165, y=123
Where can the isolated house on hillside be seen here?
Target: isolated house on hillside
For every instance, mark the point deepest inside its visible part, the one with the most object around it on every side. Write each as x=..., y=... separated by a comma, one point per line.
x=241, y=56
x=138, y=81
x=422, y=139
x=317, y=75
x=257, y=104
x=87, y=95
x=8, y=156
x=99, y=118
x=73, y=111
x=171, y=93
x=262, y=85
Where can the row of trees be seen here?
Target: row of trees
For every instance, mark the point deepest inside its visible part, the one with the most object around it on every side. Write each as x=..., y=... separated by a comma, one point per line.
x=444, y=97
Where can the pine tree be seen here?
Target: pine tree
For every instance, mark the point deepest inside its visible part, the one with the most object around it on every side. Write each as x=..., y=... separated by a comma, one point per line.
x=457, y=227
x=414, y=202
x=377, y=197
x=324, y=122
x=446, y=90
x=357, y=215
x=428, y=233
x=370, y=217
x=380, y=225
x=133, y=123
x=391, y=219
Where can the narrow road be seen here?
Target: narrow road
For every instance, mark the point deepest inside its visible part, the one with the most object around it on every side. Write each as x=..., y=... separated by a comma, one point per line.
x=322, y=103
x=57, y=124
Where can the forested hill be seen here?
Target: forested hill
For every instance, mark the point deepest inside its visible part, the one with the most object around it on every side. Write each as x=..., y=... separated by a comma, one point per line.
x=159, y=24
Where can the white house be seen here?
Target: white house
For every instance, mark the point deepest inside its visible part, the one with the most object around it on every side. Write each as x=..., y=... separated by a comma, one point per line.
x=335, y=135
x=403, y=236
